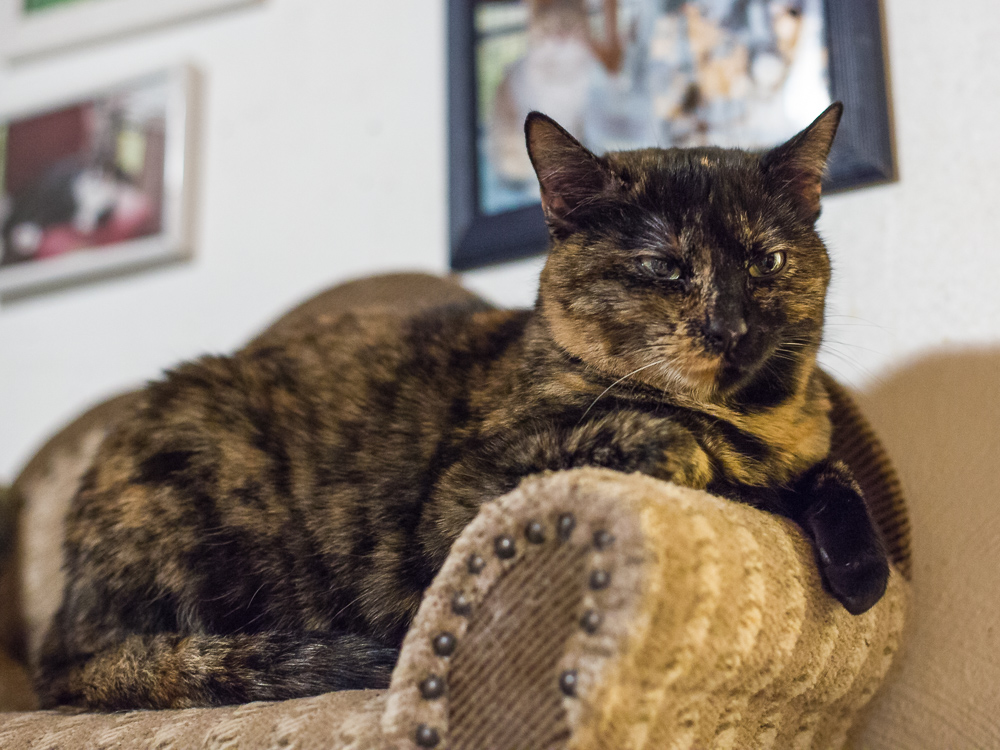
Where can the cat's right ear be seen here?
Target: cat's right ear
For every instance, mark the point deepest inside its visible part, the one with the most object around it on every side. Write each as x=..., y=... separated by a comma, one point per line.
x=798, y=165
x=569, y=175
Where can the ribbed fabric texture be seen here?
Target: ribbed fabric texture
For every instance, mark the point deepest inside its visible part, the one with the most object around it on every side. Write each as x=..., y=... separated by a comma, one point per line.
x=345, y=721
x=855, y=443
x=735, y=645
x=713, y=631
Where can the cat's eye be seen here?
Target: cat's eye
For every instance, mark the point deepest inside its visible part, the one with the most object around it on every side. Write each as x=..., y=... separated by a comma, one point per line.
x=768, y=265
x=660, y=268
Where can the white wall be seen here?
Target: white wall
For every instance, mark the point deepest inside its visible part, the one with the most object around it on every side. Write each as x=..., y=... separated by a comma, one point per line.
x=324, y=158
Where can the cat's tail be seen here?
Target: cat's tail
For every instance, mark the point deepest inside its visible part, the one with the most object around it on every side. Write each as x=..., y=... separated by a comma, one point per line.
x=170, y=670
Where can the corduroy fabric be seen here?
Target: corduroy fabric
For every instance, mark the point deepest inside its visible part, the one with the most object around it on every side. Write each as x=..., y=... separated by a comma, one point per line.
x=854, y=442
x=735, y=645
x=714, y=630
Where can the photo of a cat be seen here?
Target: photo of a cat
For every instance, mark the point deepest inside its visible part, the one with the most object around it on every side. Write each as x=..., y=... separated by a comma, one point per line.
x=85, y=188
x=633, y=73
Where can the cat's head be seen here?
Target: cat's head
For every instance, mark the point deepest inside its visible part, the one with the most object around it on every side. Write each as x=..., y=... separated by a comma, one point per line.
x=703, y=261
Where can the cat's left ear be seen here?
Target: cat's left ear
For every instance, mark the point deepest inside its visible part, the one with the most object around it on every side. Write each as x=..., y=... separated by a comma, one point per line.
x=568, y=173
x=797, y=166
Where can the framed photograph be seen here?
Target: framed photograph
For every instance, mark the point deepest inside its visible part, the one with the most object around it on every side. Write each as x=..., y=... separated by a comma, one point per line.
x=97, y=184
x=623, y=74
x=31, y=27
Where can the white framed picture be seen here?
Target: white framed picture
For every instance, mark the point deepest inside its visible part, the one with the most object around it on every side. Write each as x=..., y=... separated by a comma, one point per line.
x=31, y=27
x=96, y=183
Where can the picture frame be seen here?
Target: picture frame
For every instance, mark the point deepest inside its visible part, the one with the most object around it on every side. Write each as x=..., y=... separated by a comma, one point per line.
x=97, y=183
x=35, y=27
x=856, y=74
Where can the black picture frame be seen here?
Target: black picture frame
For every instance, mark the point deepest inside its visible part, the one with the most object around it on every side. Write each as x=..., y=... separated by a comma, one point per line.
x=862, y=154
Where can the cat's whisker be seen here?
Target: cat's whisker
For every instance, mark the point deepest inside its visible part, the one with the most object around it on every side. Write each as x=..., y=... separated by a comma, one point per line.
x=775, y=360
x=866, y=371
x=852, y=345
x=350, y=603
x=791, y=345
x=839, y=374
x=861, y=321
x=624, y=377
x=583, y=203
x=833, y=324
x=829, y=347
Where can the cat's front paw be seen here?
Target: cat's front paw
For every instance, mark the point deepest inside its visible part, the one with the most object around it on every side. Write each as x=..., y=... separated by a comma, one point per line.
x=857, y=583
x=852, y=559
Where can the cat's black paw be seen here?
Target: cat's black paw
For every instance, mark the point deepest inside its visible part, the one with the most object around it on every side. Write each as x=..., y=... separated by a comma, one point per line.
x=857, y=583
x=851, y=556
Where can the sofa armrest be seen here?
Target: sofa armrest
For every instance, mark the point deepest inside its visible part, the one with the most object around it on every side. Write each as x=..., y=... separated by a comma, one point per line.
x=591, y=609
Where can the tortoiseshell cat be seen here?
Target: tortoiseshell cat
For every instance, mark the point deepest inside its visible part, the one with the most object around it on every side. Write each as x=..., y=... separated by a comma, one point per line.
x=264, y=525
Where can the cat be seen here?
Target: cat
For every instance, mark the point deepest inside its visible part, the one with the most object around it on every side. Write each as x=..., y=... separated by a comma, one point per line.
x=70, y=192
x=264, y=524
x=555, y=74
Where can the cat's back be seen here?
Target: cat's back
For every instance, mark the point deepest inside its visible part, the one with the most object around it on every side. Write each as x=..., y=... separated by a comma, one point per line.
x=301, y=461
x=332, y=388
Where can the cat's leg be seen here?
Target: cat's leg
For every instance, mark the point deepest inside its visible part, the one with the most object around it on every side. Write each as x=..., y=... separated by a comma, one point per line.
x=828, y=504
x=826, y=501
x=624, y=441
x=171, y=670
x=148, y=621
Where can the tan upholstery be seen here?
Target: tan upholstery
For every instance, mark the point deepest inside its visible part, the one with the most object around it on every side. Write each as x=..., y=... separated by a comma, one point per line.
x=712, y=629
x=939, y=416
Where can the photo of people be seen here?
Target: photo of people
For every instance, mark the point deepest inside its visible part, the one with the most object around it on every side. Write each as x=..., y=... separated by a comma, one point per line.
x=83, y=179
x=622, y=74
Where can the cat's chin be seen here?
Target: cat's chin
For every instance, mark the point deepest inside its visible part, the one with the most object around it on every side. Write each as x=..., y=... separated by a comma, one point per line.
x=733, y=376
x=697, y=379
x=705, y=379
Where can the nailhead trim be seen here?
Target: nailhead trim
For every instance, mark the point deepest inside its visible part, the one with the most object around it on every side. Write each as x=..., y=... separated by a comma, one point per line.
x=568, y=683
x=565, y=526
x=444, y=644
x=591, y=620
x=432, y=687
x=535, y=532
x=461, y=605
x=504, y=547
x=603, y=539
x=600, y=579
x=476, y=564
x=427, y=736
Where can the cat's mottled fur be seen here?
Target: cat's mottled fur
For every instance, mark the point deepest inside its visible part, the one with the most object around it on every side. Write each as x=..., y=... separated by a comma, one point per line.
x=264, y=525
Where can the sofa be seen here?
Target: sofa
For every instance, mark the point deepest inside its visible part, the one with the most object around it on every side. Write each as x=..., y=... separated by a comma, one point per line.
x=586, y=609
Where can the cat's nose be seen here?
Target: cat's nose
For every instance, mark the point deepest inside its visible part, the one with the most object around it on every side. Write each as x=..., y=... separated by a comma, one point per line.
x=723, y=333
